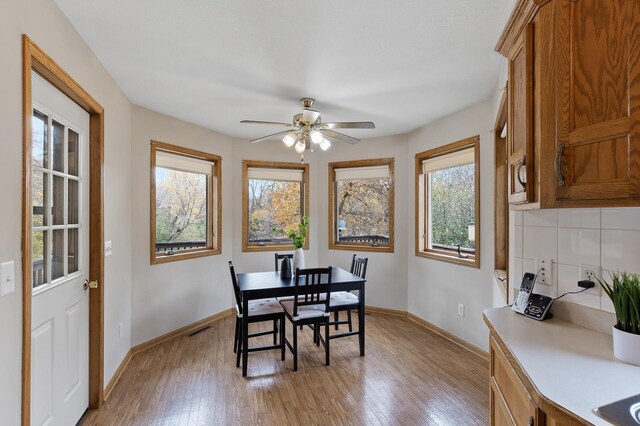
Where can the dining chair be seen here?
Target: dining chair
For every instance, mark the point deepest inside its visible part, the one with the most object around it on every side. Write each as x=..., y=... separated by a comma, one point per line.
x=310, y=306
x=260, y=310
x=279, y=257
x=345, y=300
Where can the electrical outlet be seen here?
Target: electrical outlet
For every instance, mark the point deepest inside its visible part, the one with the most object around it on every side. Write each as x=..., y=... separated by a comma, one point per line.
x=591, y=273
x=460, y=309
x=545, y=266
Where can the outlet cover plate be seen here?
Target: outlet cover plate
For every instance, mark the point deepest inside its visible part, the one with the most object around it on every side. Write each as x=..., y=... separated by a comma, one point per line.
x=584, y=275
x=7, y=278
x=544, y=277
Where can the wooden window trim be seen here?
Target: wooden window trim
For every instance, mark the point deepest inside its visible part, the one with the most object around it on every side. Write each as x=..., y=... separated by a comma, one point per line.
x=246, y=164
x=474, y=262
x=336, y=245
x=215, y=239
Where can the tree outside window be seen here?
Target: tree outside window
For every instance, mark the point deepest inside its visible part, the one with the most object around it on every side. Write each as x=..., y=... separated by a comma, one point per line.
x=361, y=205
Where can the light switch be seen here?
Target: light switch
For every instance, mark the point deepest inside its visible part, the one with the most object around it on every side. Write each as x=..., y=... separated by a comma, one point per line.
x=7, y=278
x=108, y=248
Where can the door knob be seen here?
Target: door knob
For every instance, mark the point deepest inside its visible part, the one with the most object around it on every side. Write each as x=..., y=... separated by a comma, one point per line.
x=89, y=284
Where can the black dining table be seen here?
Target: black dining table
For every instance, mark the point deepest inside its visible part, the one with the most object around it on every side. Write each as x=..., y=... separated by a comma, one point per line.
x=263, y=285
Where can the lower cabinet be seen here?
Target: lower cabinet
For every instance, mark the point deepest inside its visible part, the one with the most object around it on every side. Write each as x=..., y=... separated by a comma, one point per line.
x=512, y=403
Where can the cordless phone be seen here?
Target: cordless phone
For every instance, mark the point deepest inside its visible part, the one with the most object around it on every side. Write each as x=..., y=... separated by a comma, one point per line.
x=529, y=304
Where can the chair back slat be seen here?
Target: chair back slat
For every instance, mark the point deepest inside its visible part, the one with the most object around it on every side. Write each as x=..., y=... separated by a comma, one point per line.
x=308, y=288
x=236, y=287
x=359, y=266
x=279, y=257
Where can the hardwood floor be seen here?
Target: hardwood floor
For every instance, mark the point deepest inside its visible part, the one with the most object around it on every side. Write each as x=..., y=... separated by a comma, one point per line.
x=409, y=376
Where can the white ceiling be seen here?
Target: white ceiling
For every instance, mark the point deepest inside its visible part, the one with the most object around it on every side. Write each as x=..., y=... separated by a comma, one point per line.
x=399, y=63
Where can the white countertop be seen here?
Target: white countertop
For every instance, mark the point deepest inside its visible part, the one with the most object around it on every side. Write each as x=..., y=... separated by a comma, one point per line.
x=568, y=364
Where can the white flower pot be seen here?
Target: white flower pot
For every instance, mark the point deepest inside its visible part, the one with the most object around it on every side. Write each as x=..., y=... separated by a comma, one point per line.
x=298, y=260
x=626, y=346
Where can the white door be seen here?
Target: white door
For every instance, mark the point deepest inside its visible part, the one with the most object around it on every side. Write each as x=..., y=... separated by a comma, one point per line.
x=60, y=258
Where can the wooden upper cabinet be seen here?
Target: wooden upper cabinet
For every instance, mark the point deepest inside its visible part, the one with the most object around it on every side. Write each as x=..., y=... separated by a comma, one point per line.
x=597, y=60
x=520, y=118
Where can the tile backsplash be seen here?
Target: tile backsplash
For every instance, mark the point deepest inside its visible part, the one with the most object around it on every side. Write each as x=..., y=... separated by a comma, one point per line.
x=609, y=238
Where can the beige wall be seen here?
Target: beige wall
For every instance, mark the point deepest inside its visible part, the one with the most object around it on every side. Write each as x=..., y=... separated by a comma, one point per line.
x=49, y=28
x=171, y=295
x=435, y=288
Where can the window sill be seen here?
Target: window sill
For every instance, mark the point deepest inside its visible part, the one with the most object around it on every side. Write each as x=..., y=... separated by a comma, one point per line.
x=387, y=248
x=473, y=263
x=271, y=247
x=166, y=258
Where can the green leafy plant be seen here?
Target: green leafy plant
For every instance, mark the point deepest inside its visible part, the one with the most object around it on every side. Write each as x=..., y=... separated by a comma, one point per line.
x=624, y=292
x=297, y=236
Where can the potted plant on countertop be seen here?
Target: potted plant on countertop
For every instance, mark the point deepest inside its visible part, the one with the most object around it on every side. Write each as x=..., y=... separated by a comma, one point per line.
x=298, y=238
x=624, y=292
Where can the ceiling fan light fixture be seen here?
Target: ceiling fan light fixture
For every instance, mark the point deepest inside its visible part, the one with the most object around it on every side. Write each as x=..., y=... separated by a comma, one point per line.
x=289, y=139
x=316, y=136
x=300, y=147
x=325, y=144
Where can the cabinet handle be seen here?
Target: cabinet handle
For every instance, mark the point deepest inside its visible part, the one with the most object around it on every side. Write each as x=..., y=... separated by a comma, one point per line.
x=522, y=182
x=561, y=182
x=531, y=421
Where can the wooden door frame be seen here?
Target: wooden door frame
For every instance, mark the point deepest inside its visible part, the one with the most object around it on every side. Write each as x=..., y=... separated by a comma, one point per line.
x=35, y=59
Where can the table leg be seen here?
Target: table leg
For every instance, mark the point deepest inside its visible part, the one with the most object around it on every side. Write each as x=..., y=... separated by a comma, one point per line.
x=361, y=319
x=245, y=334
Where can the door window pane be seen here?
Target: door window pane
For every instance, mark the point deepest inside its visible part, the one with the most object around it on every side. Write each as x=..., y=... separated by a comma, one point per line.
x=38, y=258
x=39, y=195
x=73, y=251
x=73, y=154
x=39, y=143
x=73, y=202
x=57, y=209
x=58, y=147
x=57, y=254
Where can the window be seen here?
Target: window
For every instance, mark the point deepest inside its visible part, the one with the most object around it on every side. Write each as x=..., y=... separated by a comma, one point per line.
x=57, y=185
x=275, y=196
x=448, y=203
x=185, y=203
x=361, y=205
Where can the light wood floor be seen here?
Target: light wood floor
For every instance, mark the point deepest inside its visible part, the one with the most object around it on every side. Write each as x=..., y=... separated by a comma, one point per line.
x=409, y=376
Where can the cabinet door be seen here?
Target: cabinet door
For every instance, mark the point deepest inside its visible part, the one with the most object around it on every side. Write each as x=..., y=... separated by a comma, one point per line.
x=520, y=119
x=597, y=99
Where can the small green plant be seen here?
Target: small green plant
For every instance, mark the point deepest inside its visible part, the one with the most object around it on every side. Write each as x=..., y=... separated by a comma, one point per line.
x=298, y=236
x=624, y=292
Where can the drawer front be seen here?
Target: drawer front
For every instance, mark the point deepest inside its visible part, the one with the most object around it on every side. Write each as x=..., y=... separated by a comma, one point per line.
x=505, y=384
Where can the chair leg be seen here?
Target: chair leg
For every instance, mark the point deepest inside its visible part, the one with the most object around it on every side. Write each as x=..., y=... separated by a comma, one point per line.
x=239, y=350
x=295, y=348
x=349, y=318
x=282, y=336
x=317, y=332
x=326, y=342
x=336, y=318
x=235, y=336
x=275, y=331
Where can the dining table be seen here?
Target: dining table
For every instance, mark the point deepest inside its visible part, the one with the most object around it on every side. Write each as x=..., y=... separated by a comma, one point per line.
x=265, y=285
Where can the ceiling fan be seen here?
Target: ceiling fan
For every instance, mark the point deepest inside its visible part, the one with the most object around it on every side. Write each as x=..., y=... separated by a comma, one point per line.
x=307, y=129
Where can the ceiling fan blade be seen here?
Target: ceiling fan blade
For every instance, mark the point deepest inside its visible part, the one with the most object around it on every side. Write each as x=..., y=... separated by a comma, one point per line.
x=310, y=116
x=269, y=137
x=331, y=135
x=350, y=125
x=274, y=123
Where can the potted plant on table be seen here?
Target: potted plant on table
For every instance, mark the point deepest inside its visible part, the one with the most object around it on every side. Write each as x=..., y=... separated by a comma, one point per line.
x=624, y=292
x=298, y=238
